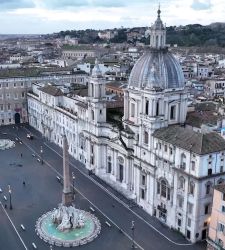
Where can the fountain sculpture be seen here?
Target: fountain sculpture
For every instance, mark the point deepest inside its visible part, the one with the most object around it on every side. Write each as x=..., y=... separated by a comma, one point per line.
x=67, y=226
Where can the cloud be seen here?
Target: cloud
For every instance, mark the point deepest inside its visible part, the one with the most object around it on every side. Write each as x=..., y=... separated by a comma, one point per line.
x=201, y=4
x=65, y=4
x=15, y=4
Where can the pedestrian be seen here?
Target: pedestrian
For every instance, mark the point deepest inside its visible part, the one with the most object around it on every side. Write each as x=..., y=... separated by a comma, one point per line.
x=5, y=205
x=21, y=155
x=24, y=183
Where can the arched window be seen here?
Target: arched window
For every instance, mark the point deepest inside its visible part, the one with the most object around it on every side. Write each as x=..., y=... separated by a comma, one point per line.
x=121, y=168
x=182, y=183
x=192, y=187
x=183, y=161
x=82, y=141
x=109, y=167
x=92, y=115
x=163, y=189
x=208, y=187
x=146, y=107
x=157, y=108
x=146, y=137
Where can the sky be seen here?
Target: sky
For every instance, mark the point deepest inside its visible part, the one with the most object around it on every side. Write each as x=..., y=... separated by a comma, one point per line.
x=48, y=16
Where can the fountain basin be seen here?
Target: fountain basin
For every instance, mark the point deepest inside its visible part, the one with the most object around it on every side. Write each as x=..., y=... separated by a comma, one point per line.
x=48, y=231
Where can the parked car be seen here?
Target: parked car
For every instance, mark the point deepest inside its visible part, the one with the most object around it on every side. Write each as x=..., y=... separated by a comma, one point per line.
x=30, y=136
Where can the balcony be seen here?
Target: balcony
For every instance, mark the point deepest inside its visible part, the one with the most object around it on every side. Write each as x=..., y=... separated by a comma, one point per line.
x=67, y=111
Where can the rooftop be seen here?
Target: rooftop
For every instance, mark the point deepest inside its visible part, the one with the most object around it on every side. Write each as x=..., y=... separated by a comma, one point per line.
x=220, y=188
x=51, y=90
x=190, y=140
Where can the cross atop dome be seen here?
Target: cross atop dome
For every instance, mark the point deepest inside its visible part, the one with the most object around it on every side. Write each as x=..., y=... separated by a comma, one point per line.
x=159, y=11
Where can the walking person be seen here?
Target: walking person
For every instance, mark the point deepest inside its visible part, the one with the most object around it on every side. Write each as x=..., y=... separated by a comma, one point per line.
x=24, y=184
x=21, y=155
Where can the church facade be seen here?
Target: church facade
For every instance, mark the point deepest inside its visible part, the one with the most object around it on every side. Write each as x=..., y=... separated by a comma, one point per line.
x=167, y=169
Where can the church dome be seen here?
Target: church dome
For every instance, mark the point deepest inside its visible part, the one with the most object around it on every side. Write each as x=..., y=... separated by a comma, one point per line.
x=157, y=68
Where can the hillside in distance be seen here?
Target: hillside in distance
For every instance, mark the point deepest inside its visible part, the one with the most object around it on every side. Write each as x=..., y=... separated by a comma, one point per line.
x=188, y=36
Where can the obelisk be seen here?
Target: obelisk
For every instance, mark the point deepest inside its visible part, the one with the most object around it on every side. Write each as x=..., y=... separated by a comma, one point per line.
x=67, y=196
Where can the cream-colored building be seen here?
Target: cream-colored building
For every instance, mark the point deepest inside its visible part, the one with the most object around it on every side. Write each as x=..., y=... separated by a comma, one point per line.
x=216, y=236
x=166, y=168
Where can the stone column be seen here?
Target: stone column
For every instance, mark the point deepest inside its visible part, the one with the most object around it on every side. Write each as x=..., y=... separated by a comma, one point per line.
x=67, y=196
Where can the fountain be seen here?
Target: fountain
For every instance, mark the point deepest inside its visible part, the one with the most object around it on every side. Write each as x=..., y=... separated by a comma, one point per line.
x=67, y=226
x=6, y=144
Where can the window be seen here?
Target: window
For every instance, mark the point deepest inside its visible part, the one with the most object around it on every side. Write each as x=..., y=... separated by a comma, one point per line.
x=189, y=222
x=171, y=150
x=100, y=111
x=221, y=169
x=193, y=166
x=157, y=109
x=142, y=193
x=92, y=115
x=205, y=223
x=221, y=227
x=9, y=106
x=172, y=112
x=179, y=222
x=180, y=201
x=146, y=107
x=143, y=180
x=146, y=137
x=109, y=168
x=92, y=160
x=132, y=113
x=223, y=197
x=181, y=182
x=190, y=207
x=207, y=208
x=208, y=188
x=223, y=209
x=183, y=161
x=163, y=189
x=192, y=188
x=165, y=148
x=209, y=171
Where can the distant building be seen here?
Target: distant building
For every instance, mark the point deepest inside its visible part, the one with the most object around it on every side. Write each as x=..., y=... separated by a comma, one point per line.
x=216, y=235
x=215, y=87
x=107, y=34
x=79, y=53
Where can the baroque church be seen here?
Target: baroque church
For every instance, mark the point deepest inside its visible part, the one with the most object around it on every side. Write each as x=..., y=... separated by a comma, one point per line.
x=166, y=168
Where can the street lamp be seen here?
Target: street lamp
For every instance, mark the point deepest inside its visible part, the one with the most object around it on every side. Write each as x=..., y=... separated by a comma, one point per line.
x=41, y=155
x=132, y=228
x=73, y=177
x=10, y=197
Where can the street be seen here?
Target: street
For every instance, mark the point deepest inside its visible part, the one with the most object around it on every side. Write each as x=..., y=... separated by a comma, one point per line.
x=42, y=192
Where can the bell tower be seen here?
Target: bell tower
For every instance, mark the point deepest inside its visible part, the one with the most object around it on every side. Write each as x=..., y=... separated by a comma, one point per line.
x=96, y=93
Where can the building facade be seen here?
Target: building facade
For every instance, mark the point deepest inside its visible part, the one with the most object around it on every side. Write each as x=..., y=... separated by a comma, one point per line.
x=167, y=169
x=13, y=94
x=216, y=237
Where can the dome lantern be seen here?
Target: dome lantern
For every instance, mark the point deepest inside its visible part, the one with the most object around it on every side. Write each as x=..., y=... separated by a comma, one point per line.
x=158, y=33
